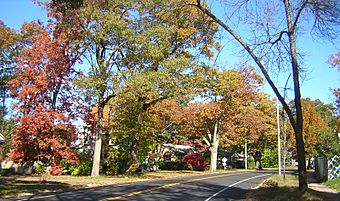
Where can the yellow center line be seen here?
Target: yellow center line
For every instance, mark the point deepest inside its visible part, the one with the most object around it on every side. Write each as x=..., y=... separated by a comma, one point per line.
x=167, y=185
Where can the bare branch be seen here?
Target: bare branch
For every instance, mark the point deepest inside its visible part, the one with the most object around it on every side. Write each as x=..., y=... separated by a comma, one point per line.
x=252, y=54
x=297, y=17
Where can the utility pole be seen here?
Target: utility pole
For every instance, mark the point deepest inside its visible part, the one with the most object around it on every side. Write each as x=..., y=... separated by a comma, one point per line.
x=278, y=135
x=284, y=145
x=246, y=156
x=284, y=131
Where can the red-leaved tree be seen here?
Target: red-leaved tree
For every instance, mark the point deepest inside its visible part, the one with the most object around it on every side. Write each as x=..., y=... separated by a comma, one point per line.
x=45, y=98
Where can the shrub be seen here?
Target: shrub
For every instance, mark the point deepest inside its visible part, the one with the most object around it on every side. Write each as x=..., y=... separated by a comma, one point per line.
x=195, y=162
x=56, y=169
x=111, y=165
x=77, y=169
x=40, y=167
x=171, y=165
x=81, y=169
x=269, y=159
x=251, y=164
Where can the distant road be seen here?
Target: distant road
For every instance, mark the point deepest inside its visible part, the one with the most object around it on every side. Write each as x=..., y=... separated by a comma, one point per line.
x=219, y=186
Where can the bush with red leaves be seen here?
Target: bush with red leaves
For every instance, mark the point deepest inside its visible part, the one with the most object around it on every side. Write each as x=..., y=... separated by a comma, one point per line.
x=56, y=169
x=195, y=162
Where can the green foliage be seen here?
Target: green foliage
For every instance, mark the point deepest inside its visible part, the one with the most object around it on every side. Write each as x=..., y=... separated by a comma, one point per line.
x=40, y=167
x=111, y=162
x=7, y=128
x=328, y=144
x=172, y=165
x=140, y=52
x=251, y=164
x=269, y=158
x=76, y=169
x=10, y=47
x=82, y=169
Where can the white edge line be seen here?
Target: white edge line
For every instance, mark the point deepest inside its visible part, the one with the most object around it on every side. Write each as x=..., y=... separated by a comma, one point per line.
x=234, y=184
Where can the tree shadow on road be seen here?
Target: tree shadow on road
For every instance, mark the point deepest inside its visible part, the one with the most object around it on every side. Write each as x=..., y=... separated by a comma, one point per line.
x=16, y=186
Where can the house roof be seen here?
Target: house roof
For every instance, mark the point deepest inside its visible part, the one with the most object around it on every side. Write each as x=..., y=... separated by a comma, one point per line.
x=180, y=148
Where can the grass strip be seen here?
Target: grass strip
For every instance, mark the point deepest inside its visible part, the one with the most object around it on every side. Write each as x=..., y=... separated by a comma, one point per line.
x=277, y=188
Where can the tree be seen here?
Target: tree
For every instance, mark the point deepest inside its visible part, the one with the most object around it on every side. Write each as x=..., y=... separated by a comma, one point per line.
x=320, y=125
x=312, y=124
x=103, y=26
x=268, y=136
x=274, y=44
x=43, y=89
x=167, y=115
x=10, y=45
x=234, y=116
x=203, y=120
x=125, y=40
x=327, y=143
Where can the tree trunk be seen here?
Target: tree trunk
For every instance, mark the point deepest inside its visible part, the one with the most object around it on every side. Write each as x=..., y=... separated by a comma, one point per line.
x=214, y=149
x=297, y=125
x=98, y=144
x=257, y=157
x=96, y=157
x=133, y=162
x=299, y=121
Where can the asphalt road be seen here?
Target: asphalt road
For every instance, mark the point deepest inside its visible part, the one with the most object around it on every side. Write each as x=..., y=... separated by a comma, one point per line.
x=220, y=186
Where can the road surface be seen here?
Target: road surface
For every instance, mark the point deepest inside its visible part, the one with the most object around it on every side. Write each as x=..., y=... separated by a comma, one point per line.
x=219, y=186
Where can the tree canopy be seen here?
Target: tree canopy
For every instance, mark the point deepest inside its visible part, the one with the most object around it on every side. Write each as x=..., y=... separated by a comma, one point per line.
x=117, y=79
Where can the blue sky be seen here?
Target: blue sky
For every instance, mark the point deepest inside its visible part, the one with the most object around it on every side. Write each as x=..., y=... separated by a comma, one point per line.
x=321, y=79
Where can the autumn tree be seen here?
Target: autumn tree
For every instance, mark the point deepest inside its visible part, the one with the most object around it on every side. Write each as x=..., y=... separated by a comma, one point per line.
x=104, y=25
x=167, y=117
x=321, y=126
x=233, y=116
x=313, y=123
x=203, y=120
x=125, y=39
x=43, y=90
x=269, y=38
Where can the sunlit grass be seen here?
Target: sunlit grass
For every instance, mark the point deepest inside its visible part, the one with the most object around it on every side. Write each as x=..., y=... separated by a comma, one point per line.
x=13, y=186
x=334, y=183
x=23, y=185
x=276, y=188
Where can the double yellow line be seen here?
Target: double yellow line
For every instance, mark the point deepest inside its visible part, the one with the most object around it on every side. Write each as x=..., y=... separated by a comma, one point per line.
x=167, y=186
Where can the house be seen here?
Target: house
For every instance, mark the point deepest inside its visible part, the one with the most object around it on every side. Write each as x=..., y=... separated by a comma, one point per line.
x=175, y=152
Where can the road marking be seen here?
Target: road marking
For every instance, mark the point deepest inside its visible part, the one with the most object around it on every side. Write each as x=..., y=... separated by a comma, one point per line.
x=168, y=185
x=234, y=184
x=39, y=197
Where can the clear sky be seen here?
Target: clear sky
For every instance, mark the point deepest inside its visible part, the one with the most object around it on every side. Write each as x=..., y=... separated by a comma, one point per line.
x=318, y=84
